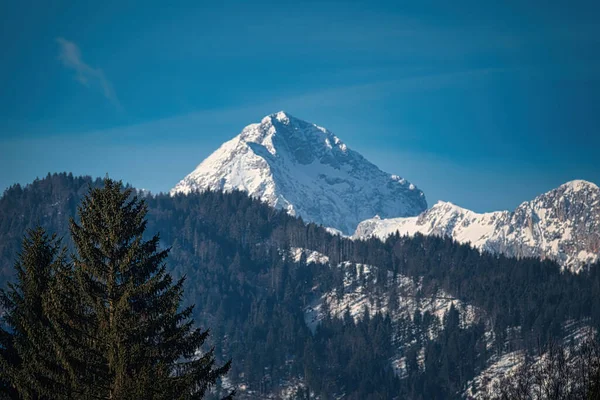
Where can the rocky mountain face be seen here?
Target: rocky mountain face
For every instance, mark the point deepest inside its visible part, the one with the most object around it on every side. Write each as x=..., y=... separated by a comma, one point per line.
x=304, y=168
x=563, y=225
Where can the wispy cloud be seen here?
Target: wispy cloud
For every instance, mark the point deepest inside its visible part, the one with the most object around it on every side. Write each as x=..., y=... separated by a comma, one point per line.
x=70, y=56
x=231, y=119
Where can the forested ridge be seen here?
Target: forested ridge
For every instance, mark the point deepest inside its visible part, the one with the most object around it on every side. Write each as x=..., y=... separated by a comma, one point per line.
x=106, y=322
x=229, y=247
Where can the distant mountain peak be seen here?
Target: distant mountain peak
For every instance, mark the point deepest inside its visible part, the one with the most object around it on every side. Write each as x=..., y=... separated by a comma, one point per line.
x=441, y=204
x=562, y=224
x=282, y=117
x=578, y=185
x=306, y=169
x=305, y=141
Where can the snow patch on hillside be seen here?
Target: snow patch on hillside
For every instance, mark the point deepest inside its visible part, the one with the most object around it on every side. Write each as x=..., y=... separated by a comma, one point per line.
x=310, y=256
x=508, y=364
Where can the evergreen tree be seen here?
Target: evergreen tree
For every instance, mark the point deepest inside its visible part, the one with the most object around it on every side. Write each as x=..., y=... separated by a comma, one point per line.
x=138, y=342
x=6, y=353
x=28, y=363
x=229, y=247
x=8, y=359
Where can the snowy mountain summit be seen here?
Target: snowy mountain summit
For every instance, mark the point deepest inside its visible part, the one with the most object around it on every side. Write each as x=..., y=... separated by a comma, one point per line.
x=306, y=170
x=563, y=225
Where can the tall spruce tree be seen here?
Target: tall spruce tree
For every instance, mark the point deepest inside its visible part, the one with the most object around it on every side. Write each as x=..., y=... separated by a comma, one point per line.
x=29, y=366
x=8, y=358
x=141, y=345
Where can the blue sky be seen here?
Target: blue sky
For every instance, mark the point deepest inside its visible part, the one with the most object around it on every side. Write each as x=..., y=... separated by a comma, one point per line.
x=485, y=104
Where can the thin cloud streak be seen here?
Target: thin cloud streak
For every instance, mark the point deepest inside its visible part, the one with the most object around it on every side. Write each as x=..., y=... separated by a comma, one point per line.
x=88, y=76
x=341, y=96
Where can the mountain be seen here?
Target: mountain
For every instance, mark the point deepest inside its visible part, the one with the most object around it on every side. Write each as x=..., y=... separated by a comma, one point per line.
x=308, y=314
x=563, y=225
x=308, y=171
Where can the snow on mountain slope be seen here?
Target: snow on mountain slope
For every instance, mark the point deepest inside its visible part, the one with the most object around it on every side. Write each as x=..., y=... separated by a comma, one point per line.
x=443, y=219
x=357, y=297
x=404, y=298
x=563, y=224
x=306, y=170
x=310, y=256
x=485, y=385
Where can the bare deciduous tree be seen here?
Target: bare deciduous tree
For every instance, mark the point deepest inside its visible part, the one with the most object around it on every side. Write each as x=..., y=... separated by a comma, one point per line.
x=560, y=372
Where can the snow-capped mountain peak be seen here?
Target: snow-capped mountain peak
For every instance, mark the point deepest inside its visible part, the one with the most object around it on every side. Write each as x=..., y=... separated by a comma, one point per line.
x=562, y=224
x=579, y=185
x=306, y=169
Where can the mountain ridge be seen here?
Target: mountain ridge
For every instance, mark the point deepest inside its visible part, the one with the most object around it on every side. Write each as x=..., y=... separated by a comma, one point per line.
x=562, y=224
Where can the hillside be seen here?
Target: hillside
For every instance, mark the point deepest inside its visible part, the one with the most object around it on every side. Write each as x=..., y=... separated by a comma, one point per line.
x=275, y=293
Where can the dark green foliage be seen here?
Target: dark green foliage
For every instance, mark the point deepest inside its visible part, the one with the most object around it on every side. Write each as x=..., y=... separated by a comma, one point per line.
x=228, y=246
x=353, y=359
x=107, y=326
x=450, y=360
x=28, y=363
x=137, y=342
x=47, y=202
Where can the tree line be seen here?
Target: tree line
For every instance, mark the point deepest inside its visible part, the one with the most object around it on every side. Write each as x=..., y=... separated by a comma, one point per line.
x=106, y=322
x=229, y=247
